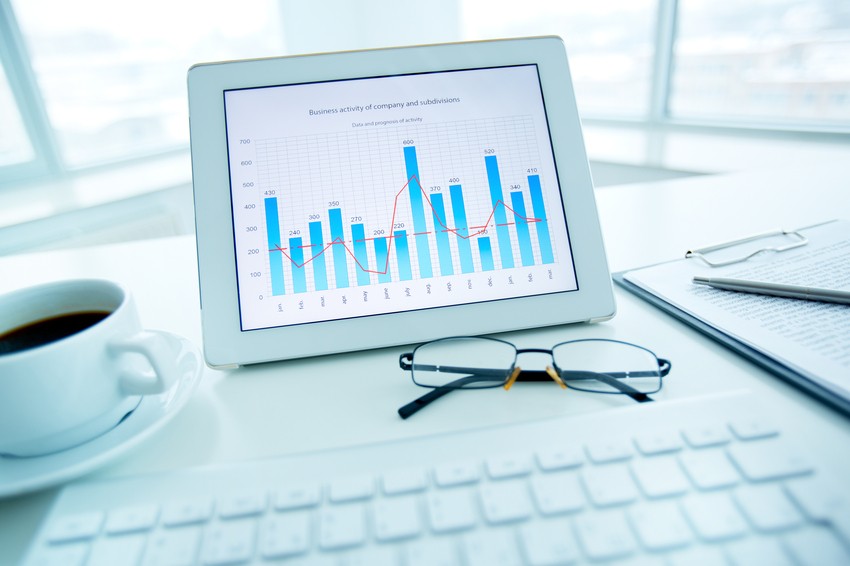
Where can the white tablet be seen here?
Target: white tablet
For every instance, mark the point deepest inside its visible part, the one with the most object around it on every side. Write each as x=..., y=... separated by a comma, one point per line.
x=366, y=199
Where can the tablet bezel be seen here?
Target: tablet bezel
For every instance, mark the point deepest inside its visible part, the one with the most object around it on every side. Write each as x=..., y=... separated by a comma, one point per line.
x=225, y=344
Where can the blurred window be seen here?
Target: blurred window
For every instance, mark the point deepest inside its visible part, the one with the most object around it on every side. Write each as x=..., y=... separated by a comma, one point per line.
x=15, y=146
x=776, y=62
x=610, y=44
x=113, y=74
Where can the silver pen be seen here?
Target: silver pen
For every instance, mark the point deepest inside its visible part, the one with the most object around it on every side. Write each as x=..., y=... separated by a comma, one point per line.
x=776, y=289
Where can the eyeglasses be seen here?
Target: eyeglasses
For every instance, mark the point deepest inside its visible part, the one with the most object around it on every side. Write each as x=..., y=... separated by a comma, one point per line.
x=596, y=366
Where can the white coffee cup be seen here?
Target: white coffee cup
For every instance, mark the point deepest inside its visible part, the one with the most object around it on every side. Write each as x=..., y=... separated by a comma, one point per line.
x=72, y=389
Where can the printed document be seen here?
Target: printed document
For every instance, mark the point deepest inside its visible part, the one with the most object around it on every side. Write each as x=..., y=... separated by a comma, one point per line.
x=811, y=338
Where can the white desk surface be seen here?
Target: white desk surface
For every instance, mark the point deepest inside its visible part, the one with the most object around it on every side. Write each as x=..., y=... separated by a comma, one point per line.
x=295, y=406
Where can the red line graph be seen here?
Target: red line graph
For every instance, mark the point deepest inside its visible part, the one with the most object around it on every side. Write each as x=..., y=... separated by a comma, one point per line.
x=391, y=237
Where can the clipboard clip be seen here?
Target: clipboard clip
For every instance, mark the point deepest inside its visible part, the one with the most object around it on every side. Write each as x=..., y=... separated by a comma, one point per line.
x=797, y=241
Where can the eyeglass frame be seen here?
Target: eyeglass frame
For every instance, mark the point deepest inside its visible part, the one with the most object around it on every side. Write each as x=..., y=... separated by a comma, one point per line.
x=553, y=373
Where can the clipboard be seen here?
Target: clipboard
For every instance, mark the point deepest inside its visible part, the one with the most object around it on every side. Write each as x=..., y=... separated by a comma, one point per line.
x=778, y=242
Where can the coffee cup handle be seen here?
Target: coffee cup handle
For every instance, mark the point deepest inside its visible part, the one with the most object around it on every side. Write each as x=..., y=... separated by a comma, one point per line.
x=161, y=353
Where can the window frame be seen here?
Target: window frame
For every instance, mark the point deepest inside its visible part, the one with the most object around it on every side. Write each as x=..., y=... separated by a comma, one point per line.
x=14, y=56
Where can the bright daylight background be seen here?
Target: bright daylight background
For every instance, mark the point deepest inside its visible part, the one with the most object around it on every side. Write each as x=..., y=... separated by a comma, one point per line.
x=94, y=87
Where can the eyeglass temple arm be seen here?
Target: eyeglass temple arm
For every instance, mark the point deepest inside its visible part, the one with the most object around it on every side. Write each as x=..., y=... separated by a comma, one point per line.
x=611, y=381
x=405, y=362
x=422, y=402
x=663, y=369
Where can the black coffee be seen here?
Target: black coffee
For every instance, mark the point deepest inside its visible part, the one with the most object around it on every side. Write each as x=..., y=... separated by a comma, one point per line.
x=48, y=330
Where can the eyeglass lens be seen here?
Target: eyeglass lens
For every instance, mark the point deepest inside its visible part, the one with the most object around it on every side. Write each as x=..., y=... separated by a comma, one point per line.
x=487, y=363
x=578, y=363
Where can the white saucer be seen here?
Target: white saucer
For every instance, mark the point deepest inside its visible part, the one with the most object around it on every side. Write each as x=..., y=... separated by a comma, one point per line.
x=22, y=475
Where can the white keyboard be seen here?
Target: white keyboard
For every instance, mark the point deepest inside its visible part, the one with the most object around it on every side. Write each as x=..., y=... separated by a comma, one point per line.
x=702, y=482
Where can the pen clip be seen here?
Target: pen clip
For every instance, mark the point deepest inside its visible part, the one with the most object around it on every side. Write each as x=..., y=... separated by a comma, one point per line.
x=799, y=240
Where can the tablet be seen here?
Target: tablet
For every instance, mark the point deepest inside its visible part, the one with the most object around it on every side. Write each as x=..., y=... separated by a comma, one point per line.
x=372, y=198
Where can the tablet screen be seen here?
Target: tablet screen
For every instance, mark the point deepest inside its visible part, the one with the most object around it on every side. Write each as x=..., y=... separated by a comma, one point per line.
x=369, y=196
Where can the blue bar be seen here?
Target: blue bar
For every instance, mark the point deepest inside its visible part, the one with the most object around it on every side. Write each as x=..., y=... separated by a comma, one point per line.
x=444, y=251
x=317, y=246
x=402, y=255
x=486, y=253
x=338, y=241
x=362, y=265
x=461, y=229
x=525, y=252
x=542, y=226
x=420, y=228
x=299, y=275
x=381, y=258
x=505, y=252
x=274, y=244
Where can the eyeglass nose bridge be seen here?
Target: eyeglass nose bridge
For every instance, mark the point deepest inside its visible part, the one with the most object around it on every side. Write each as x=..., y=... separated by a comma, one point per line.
x=549, y=372
x=533, y=351
x=543, y=351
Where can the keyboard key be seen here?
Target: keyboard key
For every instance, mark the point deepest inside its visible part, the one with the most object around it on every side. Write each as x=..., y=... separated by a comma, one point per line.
x=397, y=518
x=373, y=556
x=437, y=552
x=705, y=435
x=229, y=542
x=701, y=555
x=749, y=428
x=505, y=501
x=495, y=547
x=75, y=527
x=605, y=535
x=508, y=466
x=351, y=489
x=559, y=458
x=285, y=534
x=549, y=542
x=297, y=497
x=819, y=498
x=342, y=526
x=756, y=550
x=768, y=508
x=609, y=485
x=175, y=547
x=823, y=500
x=557, y=493
x=709, y=469
x=660, y=526
x=642, y=560
x=658, y=442
x=816, y=546
x=450, y=510
x=131, y=519
x=660, y=476
x=714, y=516
x=122, y=550
x=186, y=512
x=768, y=460
x=402, y=481
x=457, y=473
x=242, y=505
x=69, y=554
x=608, y=450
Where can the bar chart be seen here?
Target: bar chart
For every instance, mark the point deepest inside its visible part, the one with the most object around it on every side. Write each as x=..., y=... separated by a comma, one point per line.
x=394, y=194
x=425, y=231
